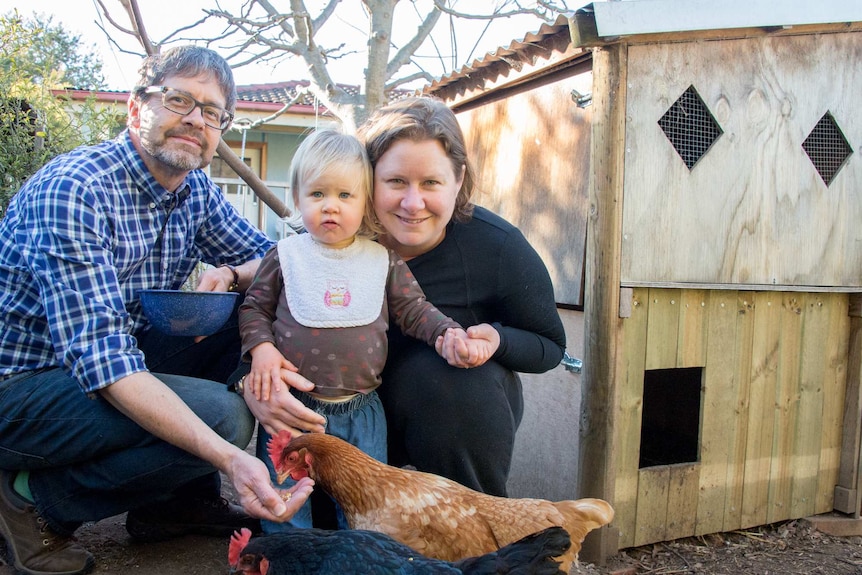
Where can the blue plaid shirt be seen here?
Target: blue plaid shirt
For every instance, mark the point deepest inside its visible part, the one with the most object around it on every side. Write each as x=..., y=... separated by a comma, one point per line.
x=79, y=240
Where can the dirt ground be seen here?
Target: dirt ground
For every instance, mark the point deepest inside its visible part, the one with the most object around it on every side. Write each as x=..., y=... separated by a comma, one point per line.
x=793, y=547
x=787, y=548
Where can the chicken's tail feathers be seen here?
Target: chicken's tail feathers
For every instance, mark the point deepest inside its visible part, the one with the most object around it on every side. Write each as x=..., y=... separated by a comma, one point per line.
x=587, y=513
x=531, y=555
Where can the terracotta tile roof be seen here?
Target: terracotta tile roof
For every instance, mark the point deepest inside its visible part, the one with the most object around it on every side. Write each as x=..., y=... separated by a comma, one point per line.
x=282, y=92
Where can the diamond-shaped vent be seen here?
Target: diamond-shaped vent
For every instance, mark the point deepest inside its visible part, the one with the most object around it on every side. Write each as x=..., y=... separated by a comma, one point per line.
x=827, y=148
x=690, y=127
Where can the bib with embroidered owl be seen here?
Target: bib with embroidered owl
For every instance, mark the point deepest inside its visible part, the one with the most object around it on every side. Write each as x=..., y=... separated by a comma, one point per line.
x=328, y=287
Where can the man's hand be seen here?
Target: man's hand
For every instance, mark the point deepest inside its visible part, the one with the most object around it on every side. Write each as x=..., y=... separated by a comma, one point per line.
x=215, y=279
x=250, y=478
x=284, y=411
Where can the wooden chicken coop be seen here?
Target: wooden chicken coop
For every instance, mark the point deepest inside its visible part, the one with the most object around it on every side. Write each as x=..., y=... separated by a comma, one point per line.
x=700, y=203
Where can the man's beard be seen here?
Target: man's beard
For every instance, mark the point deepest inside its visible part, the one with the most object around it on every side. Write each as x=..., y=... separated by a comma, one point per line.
x=176, y=158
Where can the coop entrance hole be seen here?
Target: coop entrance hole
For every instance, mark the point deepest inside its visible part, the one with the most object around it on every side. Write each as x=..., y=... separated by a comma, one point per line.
x=671, y=416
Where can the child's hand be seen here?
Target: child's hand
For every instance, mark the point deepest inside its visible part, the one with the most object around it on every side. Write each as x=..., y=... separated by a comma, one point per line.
x=265, y=375
x=466, y=349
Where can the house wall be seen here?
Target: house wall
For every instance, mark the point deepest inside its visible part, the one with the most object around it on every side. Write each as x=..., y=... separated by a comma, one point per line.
x=545, y=461
x=531, y=152
x=772, y=403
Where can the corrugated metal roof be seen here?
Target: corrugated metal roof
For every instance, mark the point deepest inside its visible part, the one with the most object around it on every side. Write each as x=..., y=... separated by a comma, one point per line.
x=517, y=53
x=537, y=52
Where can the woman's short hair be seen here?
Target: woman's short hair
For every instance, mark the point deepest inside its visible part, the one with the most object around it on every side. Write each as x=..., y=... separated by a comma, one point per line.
x=417, y=119
x=330, y=149
x=187, y=62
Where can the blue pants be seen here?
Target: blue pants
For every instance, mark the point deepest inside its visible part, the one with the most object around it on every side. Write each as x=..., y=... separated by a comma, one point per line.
x=359, y=421
x=88, y=461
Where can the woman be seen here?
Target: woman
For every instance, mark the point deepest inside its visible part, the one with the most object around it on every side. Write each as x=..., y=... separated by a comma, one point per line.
x=476, y=268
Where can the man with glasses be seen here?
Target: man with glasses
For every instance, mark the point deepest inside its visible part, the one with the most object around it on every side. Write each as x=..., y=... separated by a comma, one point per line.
x=99, y=413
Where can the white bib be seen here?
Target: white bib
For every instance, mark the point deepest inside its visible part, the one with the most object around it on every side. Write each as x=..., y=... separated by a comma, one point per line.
x=328, y=287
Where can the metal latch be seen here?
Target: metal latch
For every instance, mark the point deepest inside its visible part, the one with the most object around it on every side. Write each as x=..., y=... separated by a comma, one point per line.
x=572, y=364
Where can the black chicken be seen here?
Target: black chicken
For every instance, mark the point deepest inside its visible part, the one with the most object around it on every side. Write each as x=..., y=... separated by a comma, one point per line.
x=357, y=552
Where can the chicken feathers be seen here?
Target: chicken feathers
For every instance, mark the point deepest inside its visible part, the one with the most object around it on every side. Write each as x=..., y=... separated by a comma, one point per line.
x=354, y=552
x=435, y=516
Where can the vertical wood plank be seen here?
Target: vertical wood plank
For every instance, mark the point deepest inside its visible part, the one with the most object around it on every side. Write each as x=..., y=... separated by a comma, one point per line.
x=629, y=416
x=682, y=500
x=761, y=413
x=808, y=429
x=663, y=328
x=849, y=476
x=693, y=321
x=786, y=407
x=836, y=389
x=742, y=362
x=718, y=416
x=653, y=485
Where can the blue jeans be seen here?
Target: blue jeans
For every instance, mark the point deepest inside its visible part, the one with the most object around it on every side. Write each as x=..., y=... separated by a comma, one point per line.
x=88, y=461
x=359, y=421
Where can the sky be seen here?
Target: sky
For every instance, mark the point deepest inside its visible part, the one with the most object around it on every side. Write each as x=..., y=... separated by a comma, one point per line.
x=161, y=18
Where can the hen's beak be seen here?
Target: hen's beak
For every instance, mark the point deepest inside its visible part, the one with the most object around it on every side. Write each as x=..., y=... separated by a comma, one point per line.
x=280, y=476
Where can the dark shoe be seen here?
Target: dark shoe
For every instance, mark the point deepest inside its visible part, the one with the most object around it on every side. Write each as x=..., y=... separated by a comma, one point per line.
x=32, y=547
x=214, y=517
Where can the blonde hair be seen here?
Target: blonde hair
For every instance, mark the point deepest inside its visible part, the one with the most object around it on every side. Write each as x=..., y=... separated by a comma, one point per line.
x=328, y=149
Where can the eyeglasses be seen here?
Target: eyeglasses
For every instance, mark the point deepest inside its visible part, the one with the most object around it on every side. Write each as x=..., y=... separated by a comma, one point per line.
x=182, y=103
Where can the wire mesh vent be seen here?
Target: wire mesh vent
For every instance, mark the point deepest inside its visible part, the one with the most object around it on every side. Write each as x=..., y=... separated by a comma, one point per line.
x=827, y=148
x=690, y=127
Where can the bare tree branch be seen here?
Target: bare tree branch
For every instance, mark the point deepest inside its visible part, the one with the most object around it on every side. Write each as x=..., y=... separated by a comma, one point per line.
x=134, y=13
x=328, y=11
x=261, y=32
x=394, y=85
x=545, y=10
x=113, y=22
x=404, y=55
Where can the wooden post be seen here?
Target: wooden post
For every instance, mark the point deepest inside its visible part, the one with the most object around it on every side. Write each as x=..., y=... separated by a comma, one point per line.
x=848, y=492
x=602, y=323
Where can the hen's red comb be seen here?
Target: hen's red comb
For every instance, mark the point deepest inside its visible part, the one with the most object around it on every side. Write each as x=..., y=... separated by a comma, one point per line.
x=238, y=541
x=275, y=446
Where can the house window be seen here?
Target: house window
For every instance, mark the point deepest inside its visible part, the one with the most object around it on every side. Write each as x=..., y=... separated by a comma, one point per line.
x=220, y=169
x=671, y=416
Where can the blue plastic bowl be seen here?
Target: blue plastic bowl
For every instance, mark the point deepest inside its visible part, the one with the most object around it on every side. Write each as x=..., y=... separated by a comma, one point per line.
x=178, y=312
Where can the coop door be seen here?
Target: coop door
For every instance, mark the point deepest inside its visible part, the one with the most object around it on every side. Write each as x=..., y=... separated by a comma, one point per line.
x=670, y=417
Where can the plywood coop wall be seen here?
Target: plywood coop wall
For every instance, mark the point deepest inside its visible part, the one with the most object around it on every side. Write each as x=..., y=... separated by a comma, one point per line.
x=772, y=403
x=753, y=210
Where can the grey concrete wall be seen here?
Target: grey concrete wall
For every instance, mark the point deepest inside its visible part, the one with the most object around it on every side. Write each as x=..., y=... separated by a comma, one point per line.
x=545, y=463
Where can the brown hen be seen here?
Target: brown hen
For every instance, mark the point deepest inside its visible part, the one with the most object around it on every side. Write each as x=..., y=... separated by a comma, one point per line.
x=435, y=516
